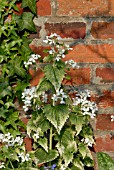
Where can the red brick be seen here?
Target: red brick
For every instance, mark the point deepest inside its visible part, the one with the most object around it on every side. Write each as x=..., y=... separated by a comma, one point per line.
x=103, y=122
x=102, y=30
x=106, y=74
x=104, y=143
x=24, y=120
x=36, y=76
x=39, y=49
x=92, y=53
x=28, y=143
x=85, y=8
x=78, y=76
x=106, y=99
x=65, y=30
x=43, y=7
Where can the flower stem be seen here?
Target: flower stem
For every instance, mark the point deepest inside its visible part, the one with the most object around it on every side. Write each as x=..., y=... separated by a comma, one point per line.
x=50, y=140
x=11, y=165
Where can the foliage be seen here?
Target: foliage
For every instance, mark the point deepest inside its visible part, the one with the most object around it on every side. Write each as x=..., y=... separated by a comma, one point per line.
x=60, y=123
x=14, y=50
x=105, y=161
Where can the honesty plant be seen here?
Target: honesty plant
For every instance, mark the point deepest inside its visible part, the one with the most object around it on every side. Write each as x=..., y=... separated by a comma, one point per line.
x=60, y=122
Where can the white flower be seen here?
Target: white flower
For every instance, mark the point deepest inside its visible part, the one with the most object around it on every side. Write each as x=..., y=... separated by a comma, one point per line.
x=72, y=63
x=27, y=97
x=60, y=95
x=44, y=97
x=2, y=165
x=88, y=142
x=112, y=118
x=36, y=136
x=23, y=157
x=19, y=140
x=32, y=59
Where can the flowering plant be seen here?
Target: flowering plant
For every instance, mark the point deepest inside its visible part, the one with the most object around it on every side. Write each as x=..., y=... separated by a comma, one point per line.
x=60, y=122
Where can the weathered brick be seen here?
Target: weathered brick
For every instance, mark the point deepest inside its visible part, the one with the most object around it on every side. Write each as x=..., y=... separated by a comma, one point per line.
x=65, y=30
x=28, y=143
x=106, y=99
x=103, y=122
x=36, y=76
x=78, y=76
x=85, y=8
x=104, y=143
x=102, y=30
x=105, y=74
x=92, y=53
x=43, y=7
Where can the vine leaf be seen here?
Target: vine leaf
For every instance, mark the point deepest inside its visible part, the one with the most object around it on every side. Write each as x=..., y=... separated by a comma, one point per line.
x=54, y=75
x=42, y=156
x=25, y=21
x=31, y=4
x=105, y=161
x=57, y=115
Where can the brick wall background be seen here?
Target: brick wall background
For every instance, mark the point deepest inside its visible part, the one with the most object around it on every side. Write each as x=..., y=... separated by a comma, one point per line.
x=88, y=26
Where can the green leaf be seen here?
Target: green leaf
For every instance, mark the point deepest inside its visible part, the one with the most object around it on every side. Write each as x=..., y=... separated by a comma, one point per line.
x=43, y=156
x=31, y=4
x=44, y=143
x=78, y=121
x=78, y=164
x=44, y=85
x=57, y=115
x=67, y=156
x=25, y=21
x=82, y=149
x=105, y=162
x=54, y=75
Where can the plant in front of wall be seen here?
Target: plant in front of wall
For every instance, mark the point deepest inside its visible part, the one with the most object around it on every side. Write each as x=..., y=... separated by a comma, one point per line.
x=14, y=50
x=60, y=117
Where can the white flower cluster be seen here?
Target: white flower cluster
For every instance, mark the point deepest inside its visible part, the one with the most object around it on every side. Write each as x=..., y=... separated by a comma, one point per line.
x=9, y=140
x=88, y=142
x=2, y=165
x=112, y=118
x=60, y=48
x=51, y=40
x=87, y=107
x=72, y=63
x=60, y=95
x=32, y=59
x=24, y=157
x=27, y=97
x=44, y=97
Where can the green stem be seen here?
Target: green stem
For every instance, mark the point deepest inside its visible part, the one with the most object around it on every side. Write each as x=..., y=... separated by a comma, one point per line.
x=50, y=140
x=11, y=165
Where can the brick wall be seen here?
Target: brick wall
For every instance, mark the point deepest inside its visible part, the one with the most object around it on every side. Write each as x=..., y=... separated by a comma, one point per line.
x=88, y=26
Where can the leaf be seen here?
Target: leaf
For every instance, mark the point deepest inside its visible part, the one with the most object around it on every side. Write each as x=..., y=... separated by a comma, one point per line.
x=78, y=121
x=68, y=157
x=44, y=143
x=82, y=149
x=31, y=4
x=57, y=115
x=43, y=156
x=25, y=21
x=78, y=164
x=45, y=85
x=105, y=162
x=54, y=75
